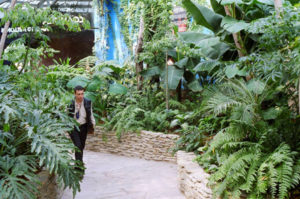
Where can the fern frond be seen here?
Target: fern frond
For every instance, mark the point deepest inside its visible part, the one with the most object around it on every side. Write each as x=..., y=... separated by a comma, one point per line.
x=296, y=174
x=233, y=133
x=251, y=176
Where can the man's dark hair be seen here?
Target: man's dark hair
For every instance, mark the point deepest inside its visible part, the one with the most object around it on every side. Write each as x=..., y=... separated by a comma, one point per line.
x=78, y=88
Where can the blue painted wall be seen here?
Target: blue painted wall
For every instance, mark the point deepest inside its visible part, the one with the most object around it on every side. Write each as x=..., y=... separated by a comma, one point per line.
x=109, y=41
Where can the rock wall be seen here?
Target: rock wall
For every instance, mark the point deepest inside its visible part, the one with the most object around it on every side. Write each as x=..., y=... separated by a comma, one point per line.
x=48, y=188
x=192, y=178
x=147, y=145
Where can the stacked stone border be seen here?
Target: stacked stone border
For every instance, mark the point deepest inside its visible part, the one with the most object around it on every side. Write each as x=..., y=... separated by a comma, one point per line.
x=192, y=178
x=155, y=146
x=146, y=145
x=48, y=189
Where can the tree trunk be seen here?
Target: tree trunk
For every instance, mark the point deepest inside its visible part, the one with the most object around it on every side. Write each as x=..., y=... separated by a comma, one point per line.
x=139, y=49
x=167, y=83
x=235, y=36
x=278, y=7
x=6, y=26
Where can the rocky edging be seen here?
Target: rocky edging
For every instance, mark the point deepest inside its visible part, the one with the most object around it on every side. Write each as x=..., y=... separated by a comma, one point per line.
x=146, y=145
x=192, y=178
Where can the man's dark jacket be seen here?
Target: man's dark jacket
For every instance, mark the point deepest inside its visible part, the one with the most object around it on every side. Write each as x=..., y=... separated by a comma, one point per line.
x=87, y=105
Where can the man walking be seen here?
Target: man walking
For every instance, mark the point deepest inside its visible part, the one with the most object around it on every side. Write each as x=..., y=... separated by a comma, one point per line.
x=81, y=110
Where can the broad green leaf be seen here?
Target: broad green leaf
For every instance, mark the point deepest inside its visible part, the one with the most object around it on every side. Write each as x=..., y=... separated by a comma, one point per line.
x=226, y=2
x=94, y=85
x=174, y=123
x=243, y=73
x=268, y=2
x=174, y=76
x=219, y=50
x=195, y=86
x=206, y=66
x=182, y=63
x=256, y=86
x=232, y=25
x=203, y=16
x=208, y=42
x=91, y=96
x=217, y=7
x=231, y=71
x=193, y=37
x=78, y=80
x=117, y=88
x=212, y=47
x=172, y=52
x=150, y=72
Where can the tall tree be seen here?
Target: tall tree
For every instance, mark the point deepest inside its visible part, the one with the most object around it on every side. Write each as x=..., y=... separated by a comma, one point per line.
x=6, y=26
x=139, y=49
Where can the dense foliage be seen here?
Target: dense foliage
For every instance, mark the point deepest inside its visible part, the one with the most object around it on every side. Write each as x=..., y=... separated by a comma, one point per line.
x=33, y=122
x=256, y=152
x=233, y=99
x=246, y=124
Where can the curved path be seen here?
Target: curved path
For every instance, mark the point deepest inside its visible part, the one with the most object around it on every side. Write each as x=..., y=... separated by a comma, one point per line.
x=110, y=176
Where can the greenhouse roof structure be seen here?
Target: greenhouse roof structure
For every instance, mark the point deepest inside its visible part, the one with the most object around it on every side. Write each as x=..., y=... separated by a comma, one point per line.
x=82, y=7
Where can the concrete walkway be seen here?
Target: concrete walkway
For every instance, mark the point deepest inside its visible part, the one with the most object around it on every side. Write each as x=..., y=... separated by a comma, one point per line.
x=117, y=177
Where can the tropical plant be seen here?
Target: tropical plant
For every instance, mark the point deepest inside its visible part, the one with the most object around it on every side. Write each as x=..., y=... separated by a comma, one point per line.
x=258, y=152
x=34, y=23
x=33, y=126
x=194, y=137
x=33, y=122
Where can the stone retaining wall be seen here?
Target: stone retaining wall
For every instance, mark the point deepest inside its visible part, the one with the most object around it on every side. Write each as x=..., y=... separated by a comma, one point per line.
x=192, y=178
x=147, y=145
x=48, y=188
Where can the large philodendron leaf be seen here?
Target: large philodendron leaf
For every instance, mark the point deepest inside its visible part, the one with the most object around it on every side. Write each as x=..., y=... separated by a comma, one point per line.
x=78, y=80
x=204, y=16
x=209, y=45
x=90, y=95
x=206, y=66
x=212, y=47
x=231, y=71
x=193, y=37
x=174, y=76
x=117, y=88
x=95, y=84
x=218, y=50
x=182, y=63
x=232, y=25
x=195, y=86
x=217, y=7
x=150, y=72
x=226, y=2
